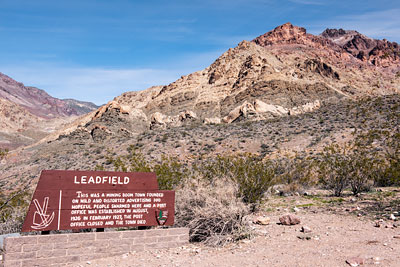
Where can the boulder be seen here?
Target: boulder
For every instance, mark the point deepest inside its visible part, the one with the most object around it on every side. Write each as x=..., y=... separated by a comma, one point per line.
x=262, y=220
x=215, y=120
x=240, y=111
x=262, y=107
x=289, y=220
x=355, y=261
x=305, y=229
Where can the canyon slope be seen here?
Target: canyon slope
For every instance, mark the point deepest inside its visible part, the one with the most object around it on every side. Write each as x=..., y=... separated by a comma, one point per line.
x=28, y=114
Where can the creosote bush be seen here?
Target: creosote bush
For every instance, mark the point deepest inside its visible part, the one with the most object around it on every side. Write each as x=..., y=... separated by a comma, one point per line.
x=251, y=174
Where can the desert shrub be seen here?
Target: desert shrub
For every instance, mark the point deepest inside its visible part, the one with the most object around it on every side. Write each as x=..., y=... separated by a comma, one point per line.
x=3, y=153
x=170, y=172
x=385, y=154
x=295, y=171
x=334, y=168
x=252, y=175
x=355, y=164
x=212, y=211
x=364, y=167
x=392, y=158
x=13, y=209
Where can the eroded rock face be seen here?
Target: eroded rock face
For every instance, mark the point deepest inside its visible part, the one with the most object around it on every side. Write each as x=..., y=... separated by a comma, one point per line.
x=377, y=52
x=159, y=120
x=319, y=67
x=290, y=34
x=286, y=71
x=100, y=133
x=258, y=110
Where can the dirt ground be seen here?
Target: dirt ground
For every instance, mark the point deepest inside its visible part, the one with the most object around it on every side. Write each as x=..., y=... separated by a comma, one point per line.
x=341, y=228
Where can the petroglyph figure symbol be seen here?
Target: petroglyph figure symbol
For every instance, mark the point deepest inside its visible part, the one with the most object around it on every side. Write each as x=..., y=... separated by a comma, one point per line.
x=41, y=219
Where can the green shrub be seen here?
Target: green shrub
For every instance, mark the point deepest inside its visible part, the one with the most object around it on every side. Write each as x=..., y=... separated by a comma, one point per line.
x=253, y=175
x=170, y=173
x=334, y=168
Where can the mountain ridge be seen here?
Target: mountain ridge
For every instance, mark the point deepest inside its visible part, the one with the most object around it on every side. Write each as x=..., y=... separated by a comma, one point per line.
x=285, y=71
x=294, y=97
x=27, y=113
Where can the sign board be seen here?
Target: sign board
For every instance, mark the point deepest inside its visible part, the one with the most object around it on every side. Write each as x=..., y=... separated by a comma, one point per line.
x=98, y=199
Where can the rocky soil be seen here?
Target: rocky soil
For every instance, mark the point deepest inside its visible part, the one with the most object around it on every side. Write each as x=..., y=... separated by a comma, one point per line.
x=304, y=134
x=336, y=230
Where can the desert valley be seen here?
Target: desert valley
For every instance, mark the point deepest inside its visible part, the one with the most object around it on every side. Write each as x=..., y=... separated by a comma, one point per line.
x=287, y=123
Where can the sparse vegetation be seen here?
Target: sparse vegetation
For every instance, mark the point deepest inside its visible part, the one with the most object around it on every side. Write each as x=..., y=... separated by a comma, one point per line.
x=3, y=153
x=371, y=159
x=12, y=211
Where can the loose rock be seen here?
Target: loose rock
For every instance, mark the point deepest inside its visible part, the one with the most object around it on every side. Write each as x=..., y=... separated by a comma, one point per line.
x=262, y=220
x=289, y=219
x=305, y=229
x=304, y=237
x=355, y=261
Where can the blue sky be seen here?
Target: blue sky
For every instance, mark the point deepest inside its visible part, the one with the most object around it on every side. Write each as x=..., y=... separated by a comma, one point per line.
x=96, y=50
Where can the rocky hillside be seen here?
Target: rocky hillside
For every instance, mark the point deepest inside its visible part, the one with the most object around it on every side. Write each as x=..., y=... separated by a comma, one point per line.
x=284, y=72
x=27, y=114
x=376, y=52
x=285, y=91
x=38, y=102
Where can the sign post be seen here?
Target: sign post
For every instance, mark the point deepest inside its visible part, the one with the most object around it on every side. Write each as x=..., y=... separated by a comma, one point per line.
x=65, y=200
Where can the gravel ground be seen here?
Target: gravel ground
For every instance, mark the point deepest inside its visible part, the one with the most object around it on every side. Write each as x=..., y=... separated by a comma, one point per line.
x=334, y=239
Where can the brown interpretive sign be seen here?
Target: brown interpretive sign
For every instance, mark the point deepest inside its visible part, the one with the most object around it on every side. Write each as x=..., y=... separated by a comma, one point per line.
x=98, y=199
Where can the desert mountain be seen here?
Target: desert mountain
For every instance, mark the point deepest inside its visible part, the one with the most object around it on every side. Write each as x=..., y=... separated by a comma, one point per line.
x=284, y=91
x=286, y=71
x=28, y=113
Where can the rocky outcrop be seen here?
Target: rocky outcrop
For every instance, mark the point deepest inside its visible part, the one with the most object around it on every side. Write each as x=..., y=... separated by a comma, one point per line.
x=258, y=110
x=376, y=52
x=289, y=34
x=286, y=71
x=159, y=120
x=308, y=107
x=100, y=133
x=245, y=110
x=321, y=68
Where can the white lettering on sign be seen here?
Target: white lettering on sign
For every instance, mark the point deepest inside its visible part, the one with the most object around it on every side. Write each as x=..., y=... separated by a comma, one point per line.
x=101, y=180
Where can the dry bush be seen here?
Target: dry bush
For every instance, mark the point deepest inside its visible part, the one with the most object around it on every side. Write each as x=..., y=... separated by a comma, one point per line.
x=12, y=211
x=212, y=211
x=14, y=222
